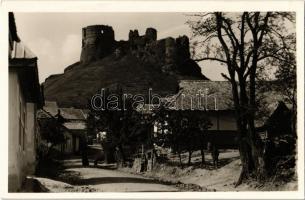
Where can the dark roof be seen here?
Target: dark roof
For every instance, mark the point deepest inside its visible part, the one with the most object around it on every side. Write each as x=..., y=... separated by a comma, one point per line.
x=12, y=27
x=23, y=62
x=279, y=122
x=202, y=95
x=280, y=111
x=17, y=48
x=217, y=94
x=73, y=118
x=66, y=113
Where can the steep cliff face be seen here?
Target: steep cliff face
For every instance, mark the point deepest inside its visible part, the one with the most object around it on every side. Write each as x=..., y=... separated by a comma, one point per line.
x=138, y=64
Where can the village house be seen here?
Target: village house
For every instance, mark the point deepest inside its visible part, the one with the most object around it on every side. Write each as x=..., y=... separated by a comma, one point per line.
x=214, y=100
x=197, y=97
x=278, y=129
x=25, y=98
x=74, y=125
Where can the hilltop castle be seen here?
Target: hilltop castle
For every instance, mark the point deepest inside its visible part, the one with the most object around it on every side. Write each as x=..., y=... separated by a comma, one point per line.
x=138, y=64
x=98, y=41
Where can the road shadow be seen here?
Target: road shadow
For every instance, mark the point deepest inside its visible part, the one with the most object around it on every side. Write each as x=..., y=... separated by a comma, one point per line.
x=209, y=163
x=77, y=163
x=108, y=167
x=108, y=180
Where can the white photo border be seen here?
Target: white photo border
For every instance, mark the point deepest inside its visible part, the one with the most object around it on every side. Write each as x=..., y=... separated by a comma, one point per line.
x=150, y=6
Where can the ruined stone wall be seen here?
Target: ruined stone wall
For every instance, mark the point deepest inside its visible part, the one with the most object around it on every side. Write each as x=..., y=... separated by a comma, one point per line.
x=98, y=41
x=183, y=49
x=168, y=51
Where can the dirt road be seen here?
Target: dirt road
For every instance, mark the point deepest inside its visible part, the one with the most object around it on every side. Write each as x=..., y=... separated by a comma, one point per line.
x=105, y=178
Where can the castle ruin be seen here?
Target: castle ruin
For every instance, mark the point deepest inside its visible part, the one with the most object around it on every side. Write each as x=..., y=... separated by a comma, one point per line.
x=138, y=64
x=98, y=41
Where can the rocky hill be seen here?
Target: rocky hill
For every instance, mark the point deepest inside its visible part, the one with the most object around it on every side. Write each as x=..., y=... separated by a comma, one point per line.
x=140, y=63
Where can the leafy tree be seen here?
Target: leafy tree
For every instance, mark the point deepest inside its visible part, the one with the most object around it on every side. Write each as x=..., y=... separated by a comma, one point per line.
x=123, y=124
x=243, y=42
x=284, y=79
x=51, y=130
x=194, y=127
x=91, y=124
x=182, y=131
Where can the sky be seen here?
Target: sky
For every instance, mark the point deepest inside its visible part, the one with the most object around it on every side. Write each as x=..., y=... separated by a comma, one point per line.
x=55, y=38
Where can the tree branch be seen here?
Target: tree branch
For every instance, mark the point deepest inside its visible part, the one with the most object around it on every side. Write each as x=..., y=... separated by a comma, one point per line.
x=242, y=45
x=263, y=28
x=219, y=19
x=226, y=77
x=248, y=57
x=210, y=58
x=229, y=28
x=276, y=57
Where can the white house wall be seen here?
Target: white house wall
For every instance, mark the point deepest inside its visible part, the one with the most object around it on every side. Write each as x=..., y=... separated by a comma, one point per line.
x=14, y=148
x=21, y=160
x=30, y=138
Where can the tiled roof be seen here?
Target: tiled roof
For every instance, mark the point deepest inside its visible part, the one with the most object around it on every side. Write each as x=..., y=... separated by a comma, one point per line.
x=202, y=95
x=72, y=113
x=146, y=108
x=67, y=113
x=196, y=95
x=75, y=125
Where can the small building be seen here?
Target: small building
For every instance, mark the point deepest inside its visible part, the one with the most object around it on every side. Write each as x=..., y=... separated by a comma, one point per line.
x=74, y=125
x=279, y=122
x=25, y=98
x=278, y=135
x=279, y=126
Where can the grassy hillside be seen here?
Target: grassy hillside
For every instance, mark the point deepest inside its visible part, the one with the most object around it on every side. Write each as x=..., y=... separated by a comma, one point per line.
x=80, y=82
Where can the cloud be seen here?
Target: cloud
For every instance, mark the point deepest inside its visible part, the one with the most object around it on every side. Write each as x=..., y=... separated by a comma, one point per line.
x=45, y=50
x=71, y=49
x=53, y=58
x=41, y=46
x=174, y=31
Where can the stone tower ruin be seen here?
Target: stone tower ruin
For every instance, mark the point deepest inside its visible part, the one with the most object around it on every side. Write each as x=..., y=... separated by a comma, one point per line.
x=97, y=42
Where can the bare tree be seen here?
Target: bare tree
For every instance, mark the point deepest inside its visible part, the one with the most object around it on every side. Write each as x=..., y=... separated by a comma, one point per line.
x=242, y=42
